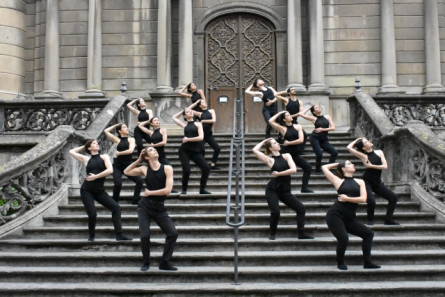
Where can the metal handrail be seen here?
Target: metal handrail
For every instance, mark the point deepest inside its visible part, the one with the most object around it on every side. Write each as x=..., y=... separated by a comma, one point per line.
x=237, y=145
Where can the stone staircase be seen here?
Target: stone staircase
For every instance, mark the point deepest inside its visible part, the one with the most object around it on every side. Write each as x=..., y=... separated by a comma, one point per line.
x=57, y=260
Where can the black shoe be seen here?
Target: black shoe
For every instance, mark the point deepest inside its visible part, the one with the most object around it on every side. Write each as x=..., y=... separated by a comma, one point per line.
x=306, y=191
x=272, y=237
x=145, y=267
x=318, y=173
x=122, y=237
x=91, y=238
x=342, y=266
x=183, y=192
x=391, y=222
x=304, y=235
x=369, y=223
x=167, y=266
x=204, y=192
x=370, y=265
x=214, y=168
x=174, y=192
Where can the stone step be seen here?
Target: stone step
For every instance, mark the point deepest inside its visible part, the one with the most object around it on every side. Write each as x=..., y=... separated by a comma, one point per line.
x=220, y=219
x=224, y=231
x=205, y=274
x=184, y=259
x=218, y=208
x=187, y=289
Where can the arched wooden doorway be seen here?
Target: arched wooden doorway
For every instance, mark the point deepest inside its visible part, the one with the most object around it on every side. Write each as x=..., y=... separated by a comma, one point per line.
x=239, y=48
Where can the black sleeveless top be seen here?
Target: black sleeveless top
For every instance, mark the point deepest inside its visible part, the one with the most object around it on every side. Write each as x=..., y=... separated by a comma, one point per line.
x=195, y=97
x=268, y=95
x=280, y=183
x=291, y=135
x=206, y=127
x=156, y=137
x=373, y=175
x=293, y=107
x=95, y=165
x=191, y=131
x=321, y=122
x=142, y=117
x=350, y=188
x=123, y=145
x=155, y=180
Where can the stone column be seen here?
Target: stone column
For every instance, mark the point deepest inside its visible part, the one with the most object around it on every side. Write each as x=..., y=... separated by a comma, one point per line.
x=432, y=48
x=388, y=47
x=94, y=61
x=52, y=60
x=164, y=47
x=317, y=83
x=294, y=46
x=185, y=51
x=12, y=48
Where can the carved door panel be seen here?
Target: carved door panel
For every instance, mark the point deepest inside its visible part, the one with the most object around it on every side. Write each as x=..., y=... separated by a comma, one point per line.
x=239, y=48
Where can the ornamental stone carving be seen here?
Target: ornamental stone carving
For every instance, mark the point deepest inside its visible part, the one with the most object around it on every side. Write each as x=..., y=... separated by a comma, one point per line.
x=432, y=115
x=430, y=172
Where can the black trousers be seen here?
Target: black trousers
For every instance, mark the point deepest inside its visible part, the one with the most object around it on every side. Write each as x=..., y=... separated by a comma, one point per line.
x=118, y=171
x=267, y=114
x=319, y=143
x=185, y=156
x=88, y=197
x=340, y=227
x=213, y=144
x=303, y=164
x=138, y=136
x=273, y=198
x=384, y=192
x=150, y=211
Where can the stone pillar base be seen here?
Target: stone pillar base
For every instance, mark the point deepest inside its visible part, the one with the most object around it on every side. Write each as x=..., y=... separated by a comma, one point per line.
x=318, y=88
x=434, y=88
x=163, y=89
x=92, y=94
x=390, y=89
x=49, y=94
x=297, y=86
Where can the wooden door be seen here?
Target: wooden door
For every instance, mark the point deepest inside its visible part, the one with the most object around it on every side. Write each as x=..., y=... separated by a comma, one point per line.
x=239, y=49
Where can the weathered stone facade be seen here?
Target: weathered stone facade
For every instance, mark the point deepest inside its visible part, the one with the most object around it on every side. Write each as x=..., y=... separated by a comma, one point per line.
x=156, y=46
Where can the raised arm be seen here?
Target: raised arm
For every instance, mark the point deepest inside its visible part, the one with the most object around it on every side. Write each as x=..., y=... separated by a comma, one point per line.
x=300, y=137
x=130, y=106
x=177, y=120
x=306, y=117
x=134, y=170
x=282, y=99
x=144, y=129
x=108, y=170
x=260, y=155
x=356, y=153
x=184, y=93
x=253, y=93
x=75, y=152
x=200, y=136
x=360, y=199
x=201, y=93
x=335, y=180
x=275, y=125
x=292, y=168
x=168, y=184
x=384, y=165
x=110, y=136
x=131, y=146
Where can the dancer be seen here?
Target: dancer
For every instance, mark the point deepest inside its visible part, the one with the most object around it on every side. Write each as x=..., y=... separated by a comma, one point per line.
x=143, y=115
x=159, y=182
x=190, y=150
x=374, y=162
x=319, y=137
x=293, y=137
x=124, y=152
x=279, y=188
x=341, y=216
x=193, y=93
x=293, y=106
x=267, y=94
x=158, y=137
x=208, y=118
x=98, y=167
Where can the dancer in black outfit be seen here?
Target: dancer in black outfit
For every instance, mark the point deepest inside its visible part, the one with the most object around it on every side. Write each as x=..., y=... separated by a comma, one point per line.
x=208, y=118
x=143, y=115
x=319, y=137
x=374, y=162
x=190, y=150
x=192, y=92
x=341, y=216
x=293, y=137
x=124, y=152
x=159, y=182
x=158, y=137
x=293, y=106
x=98, y=167
x=270, y=102
x=279, y=189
